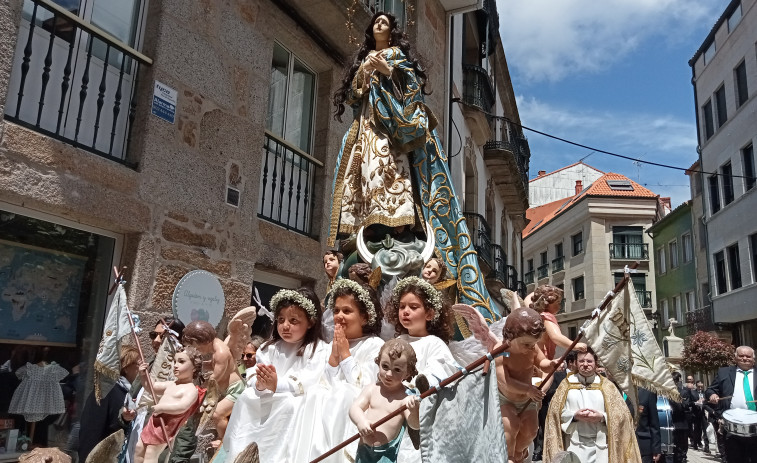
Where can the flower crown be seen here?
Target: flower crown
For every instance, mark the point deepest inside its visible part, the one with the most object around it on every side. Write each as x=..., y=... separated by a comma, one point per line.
x=433, y=296
x=294, y=296
x=361, y=293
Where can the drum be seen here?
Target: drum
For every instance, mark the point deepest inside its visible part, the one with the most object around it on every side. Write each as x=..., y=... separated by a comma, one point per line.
x=666, y=424
x=740, y=422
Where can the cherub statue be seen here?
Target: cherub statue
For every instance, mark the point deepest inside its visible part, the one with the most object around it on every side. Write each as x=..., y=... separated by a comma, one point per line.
x=396, y=361
x=519, y=398
x=176, y=402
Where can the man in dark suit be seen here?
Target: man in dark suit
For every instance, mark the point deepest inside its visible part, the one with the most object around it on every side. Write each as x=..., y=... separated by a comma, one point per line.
x=698, y=418
x=735, y=387
x=678, y=414
x=648, y=429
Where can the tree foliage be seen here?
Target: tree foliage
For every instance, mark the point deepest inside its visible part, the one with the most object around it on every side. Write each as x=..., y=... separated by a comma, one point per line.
x=705, y=352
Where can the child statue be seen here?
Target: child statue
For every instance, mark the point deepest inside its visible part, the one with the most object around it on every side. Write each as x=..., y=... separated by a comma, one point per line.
x=176, y=402
x=519, y=398
x=396, y=363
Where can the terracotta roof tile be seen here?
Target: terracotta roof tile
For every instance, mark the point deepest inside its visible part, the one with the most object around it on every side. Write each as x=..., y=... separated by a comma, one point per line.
x=540, y=216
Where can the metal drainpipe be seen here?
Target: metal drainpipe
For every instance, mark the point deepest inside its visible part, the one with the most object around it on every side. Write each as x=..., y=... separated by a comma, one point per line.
x=451, y=73
x=704, y=202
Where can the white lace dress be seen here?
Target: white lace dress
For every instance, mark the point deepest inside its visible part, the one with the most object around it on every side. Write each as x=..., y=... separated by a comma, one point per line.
x=39, y=394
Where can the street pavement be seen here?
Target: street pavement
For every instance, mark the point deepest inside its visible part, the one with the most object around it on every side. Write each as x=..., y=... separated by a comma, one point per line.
x=698, y=456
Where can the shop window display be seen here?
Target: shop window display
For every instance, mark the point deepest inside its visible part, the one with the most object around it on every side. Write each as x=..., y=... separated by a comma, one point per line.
x=54, y=283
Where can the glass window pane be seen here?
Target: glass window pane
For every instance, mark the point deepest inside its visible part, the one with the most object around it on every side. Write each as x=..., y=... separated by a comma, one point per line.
x=299, y=115
x=277, y=92
x=119, y=18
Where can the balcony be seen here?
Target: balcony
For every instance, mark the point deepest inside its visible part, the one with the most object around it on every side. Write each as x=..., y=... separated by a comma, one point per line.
x=477, y=88
x=74, y=82
x=645, y=298
x=629, y=251
x=558, y=264
x=528, y=277
x=521, y=289
x=481, y=237
x=542, y=271
x=512, y=278
x=499, y=259
x=700, y=320
x=287, y=186
x=507, y=157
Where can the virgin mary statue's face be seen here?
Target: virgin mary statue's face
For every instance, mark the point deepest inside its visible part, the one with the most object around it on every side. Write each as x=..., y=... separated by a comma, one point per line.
x=381, y=29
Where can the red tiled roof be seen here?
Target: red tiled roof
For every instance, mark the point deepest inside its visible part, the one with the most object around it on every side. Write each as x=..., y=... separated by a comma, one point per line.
x=540, y=216
x=601, y=188
x=563, y=168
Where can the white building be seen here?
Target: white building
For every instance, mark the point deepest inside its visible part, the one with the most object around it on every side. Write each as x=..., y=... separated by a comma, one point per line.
x=724, y=75
x=548, y=187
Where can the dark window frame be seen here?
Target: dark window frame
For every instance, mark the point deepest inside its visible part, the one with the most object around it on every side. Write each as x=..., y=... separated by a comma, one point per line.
x=734, y=266
x=727, y=173
x=714, y=188
x=747, y=158
x=579, y=288
x=578, y=243
x=721, y=108
x=741, y=84
x=708, y=123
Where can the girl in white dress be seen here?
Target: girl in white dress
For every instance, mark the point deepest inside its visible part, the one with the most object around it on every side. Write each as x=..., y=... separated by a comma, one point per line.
x=324, y=421
x=287, y=366
x=421, y=316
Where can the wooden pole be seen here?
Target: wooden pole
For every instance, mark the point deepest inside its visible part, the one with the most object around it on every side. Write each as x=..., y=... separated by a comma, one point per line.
x=120, y=280
x=457, y=375
x=608, y=298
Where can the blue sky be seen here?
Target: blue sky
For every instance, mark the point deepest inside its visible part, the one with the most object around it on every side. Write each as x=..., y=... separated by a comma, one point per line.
x=613, y=75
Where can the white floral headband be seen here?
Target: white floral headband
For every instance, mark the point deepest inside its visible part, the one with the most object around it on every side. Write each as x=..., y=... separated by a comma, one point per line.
x=294, y=296
x=433, y=296
x=361, y=293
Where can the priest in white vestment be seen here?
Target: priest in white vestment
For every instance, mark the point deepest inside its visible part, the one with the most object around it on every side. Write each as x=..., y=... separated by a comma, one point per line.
x=589, y=417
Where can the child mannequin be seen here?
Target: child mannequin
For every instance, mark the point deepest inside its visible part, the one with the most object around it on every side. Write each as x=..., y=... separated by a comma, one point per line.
x=287, y=366
x=202, y=336
x=522, y=330
x=421, y=317
x=547, y=300
x=396, y=362
x=351, y=366
x=177, y=401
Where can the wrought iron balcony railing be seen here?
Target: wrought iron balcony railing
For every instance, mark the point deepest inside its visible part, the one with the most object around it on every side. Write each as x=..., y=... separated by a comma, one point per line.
x=542, y=271
x=558, y=264
x=481, y=236
x=700, y=320
x=528, y=277
x=287, y=186
x=73, y=81
x=477, y=88
x=512, y=278
x=629, y=251
x=499, y=261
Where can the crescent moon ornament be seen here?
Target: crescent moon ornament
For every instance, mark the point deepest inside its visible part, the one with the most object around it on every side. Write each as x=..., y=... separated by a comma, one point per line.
x=367, y=256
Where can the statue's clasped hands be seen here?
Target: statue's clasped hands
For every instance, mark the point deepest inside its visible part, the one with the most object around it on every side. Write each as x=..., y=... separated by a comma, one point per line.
x=378, y=63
